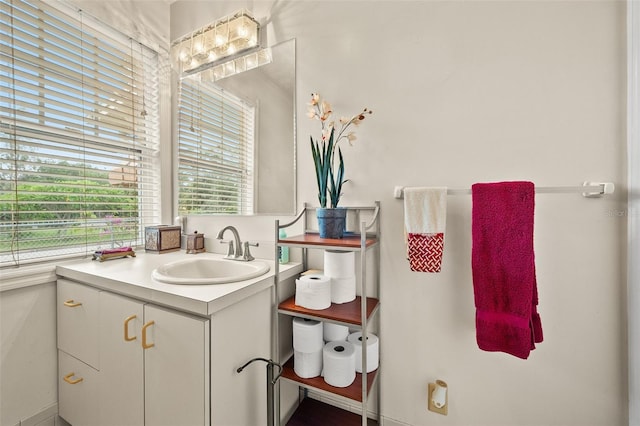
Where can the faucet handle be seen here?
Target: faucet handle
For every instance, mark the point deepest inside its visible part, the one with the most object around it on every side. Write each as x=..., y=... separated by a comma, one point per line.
x=230, y=251
x=246, y=254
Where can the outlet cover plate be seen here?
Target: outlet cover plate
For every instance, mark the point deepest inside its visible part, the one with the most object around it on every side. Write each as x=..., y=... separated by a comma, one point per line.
x=442, y=410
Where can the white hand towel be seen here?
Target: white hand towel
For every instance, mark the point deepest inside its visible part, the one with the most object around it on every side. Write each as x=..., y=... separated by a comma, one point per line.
x=425, y=217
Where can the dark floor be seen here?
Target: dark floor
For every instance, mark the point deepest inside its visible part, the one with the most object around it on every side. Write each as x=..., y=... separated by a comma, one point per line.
x=315, y=413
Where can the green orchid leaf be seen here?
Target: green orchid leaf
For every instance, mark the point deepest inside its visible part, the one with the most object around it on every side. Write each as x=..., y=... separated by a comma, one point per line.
x=319, y=167
x=336, y=182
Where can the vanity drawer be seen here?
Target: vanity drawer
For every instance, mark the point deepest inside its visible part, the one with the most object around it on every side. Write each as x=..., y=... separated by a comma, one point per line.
x=78, y=321
x=77, y=391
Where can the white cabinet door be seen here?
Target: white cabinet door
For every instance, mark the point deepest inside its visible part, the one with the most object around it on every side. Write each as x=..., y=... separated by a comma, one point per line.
x=241, y=332
x=78, y=321
x=176, y=368
x=121, y=361
x=77, y=391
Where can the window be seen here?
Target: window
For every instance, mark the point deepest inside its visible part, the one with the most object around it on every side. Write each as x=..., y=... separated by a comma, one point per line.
x=215, y=151
x=78, y=134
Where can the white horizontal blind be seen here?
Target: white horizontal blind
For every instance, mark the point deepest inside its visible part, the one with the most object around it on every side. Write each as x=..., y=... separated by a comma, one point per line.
x=215, y=151
x=78, y=134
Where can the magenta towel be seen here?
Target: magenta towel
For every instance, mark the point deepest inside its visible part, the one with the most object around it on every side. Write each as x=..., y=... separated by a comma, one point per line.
x=503, y=268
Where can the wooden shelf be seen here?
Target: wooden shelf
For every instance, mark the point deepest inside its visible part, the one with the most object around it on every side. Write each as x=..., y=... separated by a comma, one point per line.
x=354, y=391
x=312, y=412
x=344, y=312
x=350, y=241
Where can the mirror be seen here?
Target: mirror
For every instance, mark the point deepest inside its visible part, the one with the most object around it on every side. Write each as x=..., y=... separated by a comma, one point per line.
x=271, y=88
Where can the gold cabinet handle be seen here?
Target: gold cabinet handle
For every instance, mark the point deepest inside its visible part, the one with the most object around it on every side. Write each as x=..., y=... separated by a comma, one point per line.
x=68, y=379
x=146, y=345
x=127, y=338
x=72, y=304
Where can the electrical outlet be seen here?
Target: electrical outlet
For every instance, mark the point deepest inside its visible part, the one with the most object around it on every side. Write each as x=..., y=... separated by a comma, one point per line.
x=442, y=397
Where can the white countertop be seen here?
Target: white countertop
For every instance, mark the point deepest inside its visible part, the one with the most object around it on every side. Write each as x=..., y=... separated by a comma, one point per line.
x=131, y=277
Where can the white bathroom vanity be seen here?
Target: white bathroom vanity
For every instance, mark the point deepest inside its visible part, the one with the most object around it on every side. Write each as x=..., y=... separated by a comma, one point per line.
x=135, y=351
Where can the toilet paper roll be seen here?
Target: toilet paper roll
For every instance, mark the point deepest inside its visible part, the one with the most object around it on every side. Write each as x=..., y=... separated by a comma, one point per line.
x=307, y=364
x=373, y=350
x=313, y=292
x=335, y=332
x=339, y=364
x=339, y=264
x=307, y=335
x=343, y=290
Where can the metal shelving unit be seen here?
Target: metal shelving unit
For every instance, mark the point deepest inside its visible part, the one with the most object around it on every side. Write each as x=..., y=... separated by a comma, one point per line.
x=356, y=314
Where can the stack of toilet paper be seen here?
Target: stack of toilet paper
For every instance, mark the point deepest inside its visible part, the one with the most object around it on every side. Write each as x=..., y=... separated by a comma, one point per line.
x=339, y=266
x=328, y=349
x=307, y=347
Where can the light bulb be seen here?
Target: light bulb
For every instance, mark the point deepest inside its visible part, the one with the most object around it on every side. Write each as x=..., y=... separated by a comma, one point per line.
x=251, y=61
x=184, y=56
x=198, y=47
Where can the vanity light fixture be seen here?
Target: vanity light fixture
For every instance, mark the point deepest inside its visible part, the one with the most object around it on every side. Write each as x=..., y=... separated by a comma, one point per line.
x=222, y=42
x=237, y=65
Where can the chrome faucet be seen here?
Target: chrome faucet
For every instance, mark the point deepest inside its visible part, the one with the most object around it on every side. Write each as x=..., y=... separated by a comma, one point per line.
x=237, y=250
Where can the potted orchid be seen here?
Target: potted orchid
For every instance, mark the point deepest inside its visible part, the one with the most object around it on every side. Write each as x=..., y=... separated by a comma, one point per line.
x=329, y=176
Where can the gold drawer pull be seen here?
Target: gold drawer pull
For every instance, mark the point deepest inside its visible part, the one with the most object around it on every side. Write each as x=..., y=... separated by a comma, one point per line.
x=72, y=304
x=126, y=329
x=68, y=379
x=146, y=345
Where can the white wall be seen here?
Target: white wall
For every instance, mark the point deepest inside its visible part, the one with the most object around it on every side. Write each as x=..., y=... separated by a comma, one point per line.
x=146, y=21
x=466, y=92
x=28, y=356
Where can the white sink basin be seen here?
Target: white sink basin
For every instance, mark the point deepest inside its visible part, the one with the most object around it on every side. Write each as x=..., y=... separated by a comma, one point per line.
x=202, y=271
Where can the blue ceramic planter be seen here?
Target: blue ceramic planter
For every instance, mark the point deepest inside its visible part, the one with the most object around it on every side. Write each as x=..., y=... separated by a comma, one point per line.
x=331, y=222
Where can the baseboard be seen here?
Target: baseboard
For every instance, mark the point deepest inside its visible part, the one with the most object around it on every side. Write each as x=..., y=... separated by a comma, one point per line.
x=341, y=402
x=46, y=416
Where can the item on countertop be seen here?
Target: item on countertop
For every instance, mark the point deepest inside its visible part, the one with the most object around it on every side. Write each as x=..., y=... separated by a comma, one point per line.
x=283, y=251
x=195, y=243
x=162, y=238
x=114, y=253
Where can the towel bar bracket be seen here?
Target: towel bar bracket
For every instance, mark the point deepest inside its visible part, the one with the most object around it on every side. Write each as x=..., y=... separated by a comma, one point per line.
x=606, y=188
x=398, y=192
